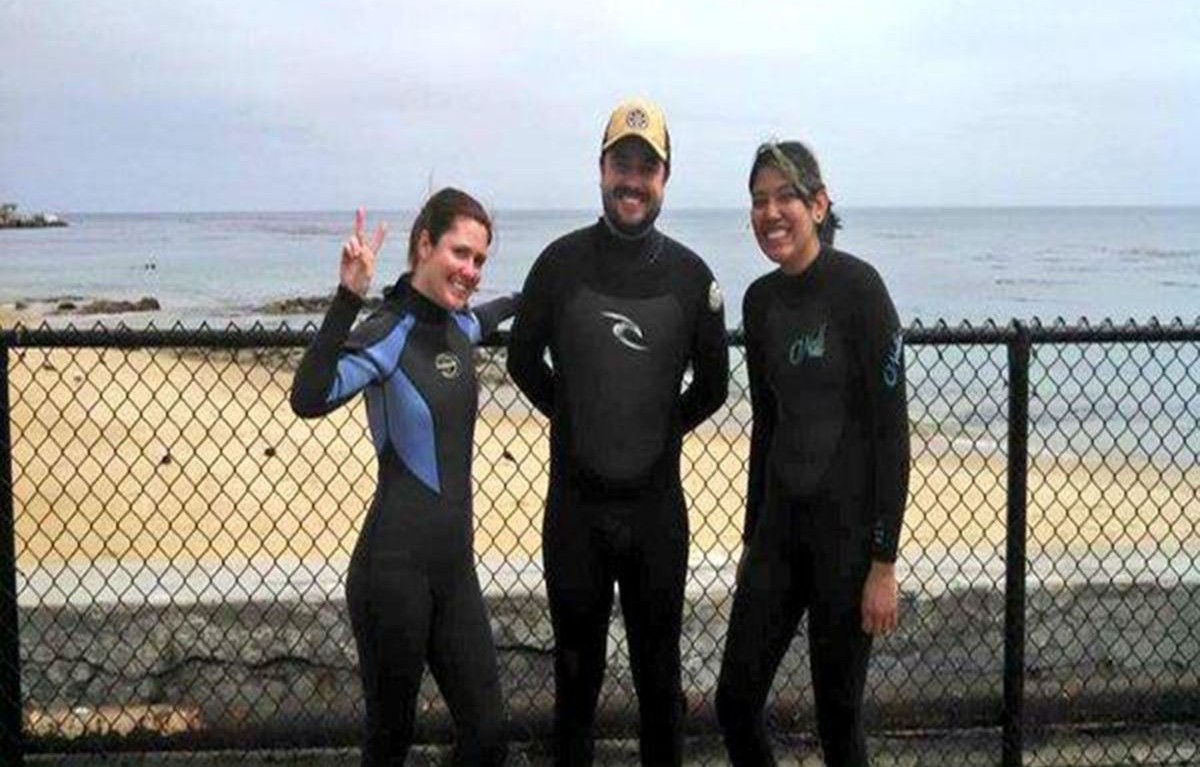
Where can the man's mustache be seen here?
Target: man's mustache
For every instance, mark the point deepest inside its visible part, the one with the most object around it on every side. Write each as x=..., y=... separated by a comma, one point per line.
x=625, y=191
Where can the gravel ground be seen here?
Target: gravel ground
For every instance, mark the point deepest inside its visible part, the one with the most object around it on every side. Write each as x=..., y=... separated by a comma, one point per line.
x=1151, y=746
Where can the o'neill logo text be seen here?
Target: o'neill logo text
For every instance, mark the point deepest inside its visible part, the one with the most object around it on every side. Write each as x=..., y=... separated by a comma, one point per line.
x=806, y=347
x=627, y=331
x=893, y=361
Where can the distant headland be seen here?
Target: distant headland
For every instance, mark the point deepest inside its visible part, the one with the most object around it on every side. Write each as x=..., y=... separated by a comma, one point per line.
x=10, y=219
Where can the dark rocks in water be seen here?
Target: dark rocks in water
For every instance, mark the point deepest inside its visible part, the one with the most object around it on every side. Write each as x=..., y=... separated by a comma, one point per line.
x=102, y=306
x=105, y=306
x=307, y=305
x=10, y=219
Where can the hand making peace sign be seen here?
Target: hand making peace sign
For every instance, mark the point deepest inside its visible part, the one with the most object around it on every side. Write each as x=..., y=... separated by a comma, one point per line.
x=358, y=256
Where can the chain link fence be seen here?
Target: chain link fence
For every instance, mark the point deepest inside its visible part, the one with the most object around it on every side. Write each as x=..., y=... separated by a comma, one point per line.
x=174, y=543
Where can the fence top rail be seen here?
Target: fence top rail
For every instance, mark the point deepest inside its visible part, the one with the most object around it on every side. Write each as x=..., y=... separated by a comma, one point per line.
x=258, y=336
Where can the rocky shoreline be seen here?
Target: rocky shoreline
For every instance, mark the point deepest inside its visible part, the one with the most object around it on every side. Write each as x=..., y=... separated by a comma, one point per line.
x=308, y=305
x=32, y=309
x=10, y=219
x=73, y=305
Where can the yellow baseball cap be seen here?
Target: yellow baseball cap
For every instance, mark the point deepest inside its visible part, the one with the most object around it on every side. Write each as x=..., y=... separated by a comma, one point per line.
x=641, y=118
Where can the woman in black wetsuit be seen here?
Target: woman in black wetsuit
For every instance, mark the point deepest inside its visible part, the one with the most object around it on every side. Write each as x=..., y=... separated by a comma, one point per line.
x=829, y=462
x=412, y=590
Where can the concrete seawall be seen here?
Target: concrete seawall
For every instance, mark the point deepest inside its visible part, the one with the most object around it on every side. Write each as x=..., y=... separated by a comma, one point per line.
x=284, y=673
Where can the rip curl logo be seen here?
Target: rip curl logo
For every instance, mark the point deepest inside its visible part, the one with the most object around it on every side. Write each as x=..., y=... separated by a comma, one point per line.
x=447, y=364
x=637, y=120
x=810, y=346
x=627, y=331
x=893, y=361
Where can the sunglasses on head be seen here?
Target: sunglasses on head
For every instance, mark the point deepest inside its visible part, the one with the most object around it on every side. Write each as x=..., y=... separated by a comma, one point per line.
x=787, y=167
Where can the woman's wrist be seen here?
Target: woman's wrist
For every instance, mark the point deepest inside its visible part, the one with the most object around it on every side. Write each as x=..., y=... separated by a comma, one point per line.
x=879, y=567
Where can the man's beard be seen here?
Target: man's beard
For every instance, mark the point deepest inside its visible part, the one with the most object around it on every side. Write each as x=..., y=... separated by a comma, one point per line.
x=625, y=230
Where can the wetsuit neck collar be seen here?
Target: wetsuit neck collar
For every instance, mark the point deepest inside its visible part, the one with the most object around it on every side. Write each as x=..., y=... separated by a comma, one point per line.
x=647, y=245
x=814, y=267
x=617, y=233
x=422, y=307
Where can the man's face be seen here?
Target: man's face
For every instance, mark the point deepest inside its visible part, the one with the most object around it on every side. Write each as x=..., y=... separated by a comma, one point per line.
x=632, y=182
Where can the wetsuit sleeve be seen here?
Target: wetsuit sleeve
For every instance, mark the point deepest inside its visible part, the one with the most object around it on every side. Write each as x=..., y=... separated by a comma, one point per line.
x=330, y=374
x=491, y=314
x=710, y=360
x=887, y=404
x=763, y=409
x=530, y=337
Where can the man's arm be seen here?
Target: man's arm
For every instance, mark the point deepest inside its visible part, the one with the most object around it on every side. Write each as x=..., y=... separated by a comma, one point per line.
x=762, y=406
x=710, y=360
x=531, y=335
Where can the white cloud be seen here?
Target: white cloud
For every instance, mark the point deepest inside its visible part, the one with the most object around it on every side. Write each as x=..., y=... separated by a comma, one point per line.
x=924, y=102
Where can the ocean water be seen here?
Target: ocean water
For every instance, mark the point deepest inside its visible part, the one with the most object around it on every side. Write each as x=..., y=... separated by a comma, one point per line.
x=1098, y=404
x=939, y=263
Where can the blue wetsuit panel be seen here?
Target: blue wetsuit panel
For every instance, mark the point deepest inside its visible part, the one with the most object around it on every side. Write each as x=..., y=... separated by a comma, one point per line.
x=410, y=427
x=469, y=325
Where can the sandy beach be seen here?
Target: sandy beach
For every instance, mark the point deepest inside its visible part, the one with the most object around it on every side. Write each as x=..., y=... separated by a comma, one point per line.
x=195, y=456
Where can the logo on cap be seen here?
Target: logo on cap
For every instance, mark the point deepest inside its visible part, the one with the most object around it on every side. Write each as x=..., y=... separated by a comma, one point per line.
x=641, y=119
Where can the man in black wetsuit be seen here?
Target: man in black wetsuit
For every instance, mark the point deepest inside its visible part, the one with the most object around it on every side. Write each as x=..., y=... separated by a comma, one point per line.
x=624, y=310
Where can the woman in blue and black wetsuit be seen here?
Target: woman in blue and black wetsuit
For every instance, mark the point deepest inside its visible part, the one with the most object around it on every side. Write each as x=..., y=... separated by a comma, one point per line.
x=412, y=590
x=829, y=462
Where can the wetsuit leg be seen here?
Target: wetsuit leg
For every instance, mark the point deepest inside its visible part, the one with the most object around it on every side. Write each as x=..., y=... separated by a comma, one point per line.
x=651, y=573
x=771, y=598
x=839, y=648
x=579, y=586
x=462, y=658
x=390, y=606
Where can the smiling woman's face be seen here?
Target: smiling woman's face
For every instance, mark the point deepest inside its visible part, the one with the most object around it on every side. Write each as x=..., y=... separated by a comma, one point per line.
x=447, y=272
x=784, y=224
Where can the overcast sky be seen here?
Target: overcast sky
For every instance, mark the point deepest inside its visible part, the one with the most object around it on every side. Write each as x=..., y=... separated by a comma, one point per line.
x=134, y=105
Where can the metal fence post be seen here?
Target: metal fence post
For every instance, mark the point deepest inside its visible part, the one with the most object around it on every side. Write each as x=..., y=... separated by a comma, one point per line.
x=1015, y=564
x=10, y=650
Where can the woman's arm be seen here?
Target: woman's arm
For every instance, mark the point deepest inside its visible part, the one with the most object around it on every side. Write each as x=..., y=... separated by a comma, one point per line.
x=328, y=374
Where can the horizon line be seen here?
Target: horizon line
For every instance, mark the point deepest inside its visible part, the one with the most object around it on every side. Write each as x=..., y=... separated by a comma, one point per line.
x=666, y=210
